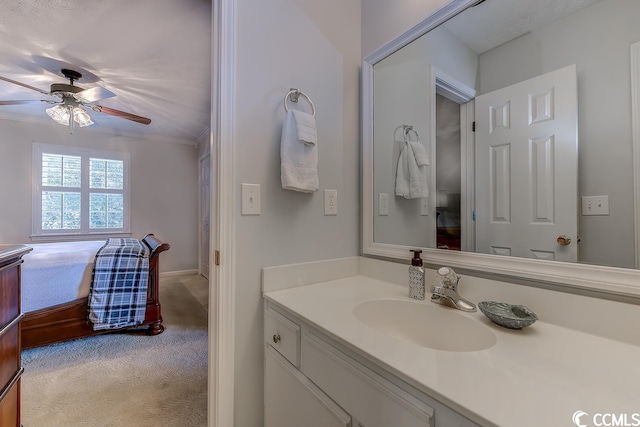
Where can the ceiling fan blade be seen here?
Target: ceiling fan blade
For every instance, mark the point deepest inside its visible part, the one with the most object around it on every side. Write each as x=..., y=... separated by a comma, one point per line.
x=21, y=101
x=94, y=94
x=24, y=85
x=121, y=114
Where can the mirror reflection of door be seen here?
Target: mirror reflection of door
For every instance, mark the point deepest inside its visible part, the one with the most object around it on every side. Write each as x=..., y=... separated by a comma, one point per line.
x=526, y=168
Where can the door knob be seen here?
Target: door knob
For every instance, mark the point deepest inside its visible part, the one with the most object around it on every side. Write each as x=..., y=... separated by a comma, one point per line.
x=563, y=240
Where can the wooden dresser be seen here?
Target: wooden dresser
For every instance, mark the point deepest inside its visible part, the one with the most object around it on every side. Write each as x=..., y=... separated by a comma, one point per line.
x=10, y=315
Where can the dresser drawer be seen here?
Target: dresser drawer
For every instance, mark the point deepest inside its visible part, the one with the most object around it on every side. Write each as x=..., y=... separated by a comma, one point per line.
x=9, y=352
x=282, y=334
x=9, y=408
x=9, y=293
x=367, y=396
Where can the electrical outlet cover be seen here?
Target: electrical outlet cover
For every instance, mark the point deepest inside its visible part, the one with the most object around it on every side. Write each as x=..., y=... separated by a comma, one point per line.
x=383, y=205
x=331, y=202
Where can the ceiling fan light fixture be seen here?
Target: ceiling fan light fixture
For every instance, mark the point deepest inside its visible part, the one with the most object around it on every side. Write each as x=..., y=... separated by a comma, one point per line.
x=60, y=113
x=81, y=117
x=69, y=110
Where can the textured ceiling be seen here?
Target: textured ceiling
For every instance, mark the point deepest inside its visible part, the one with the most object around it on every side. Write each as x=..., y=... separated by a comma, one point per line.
x=155, y=55
x=495, y=22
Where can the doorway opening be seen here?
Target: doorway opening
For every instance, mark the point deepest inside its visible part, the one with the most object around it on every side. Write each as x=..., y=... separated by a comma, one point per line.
x=448, y=178
x=452, y=109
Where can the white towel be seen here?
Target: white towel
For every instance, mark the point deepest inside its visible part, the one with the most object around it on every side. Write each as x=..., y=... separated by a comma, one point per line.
x=411, y=176
x=299, y=153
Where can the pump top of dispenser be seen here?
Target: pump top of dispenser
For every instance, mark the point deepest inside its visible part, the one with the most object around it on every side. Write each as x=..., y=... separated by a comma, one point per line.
x=416, y=260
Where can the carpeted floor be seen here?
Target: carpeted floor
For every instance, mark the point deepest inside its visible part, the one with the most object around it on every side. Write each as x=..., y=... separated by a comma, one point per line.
x=126, y=379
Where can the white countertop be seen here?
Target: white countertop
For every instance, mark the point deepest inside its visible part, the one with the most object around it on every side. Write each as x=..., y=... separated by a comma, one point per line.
x=537, y=376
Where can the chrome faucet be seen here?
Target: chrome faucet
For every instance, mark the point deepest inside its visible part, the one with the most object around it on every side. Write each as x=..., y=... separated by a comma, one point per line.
x=446, y=291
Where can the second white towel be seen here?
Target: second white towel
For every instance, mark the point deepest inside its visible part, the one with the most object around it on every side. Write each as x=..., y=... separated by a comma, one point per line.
x=411, y=175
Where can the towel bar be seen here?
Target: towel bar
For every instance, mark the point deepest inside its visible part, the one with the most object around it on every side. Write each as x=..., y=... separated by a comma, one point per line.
x=293, y=94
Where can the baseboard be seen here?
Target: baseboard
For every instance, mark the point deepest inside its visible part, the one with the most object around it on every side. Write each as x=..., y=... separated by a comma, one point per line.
x=179, y=273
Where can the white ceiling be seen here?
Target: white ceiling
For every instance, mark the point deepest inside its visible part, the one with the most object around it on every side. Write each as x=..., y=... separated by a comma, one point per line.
x=155, y=55
x=494, y=22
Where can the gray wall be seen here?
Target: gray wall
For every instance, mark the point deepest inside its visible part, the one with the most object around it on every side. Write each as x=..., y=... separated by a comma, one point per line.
x=314, y=46
x=164, y=186
x=384, y=20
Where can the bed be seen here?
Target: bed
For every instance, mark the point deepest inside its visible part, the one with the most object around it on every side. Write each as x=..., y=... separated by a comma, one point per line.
x=56, y=278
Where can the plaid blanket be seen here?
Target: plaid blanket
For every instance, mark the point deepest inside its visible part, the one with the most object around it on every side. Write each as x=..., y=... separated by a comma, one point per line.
x=118, y=293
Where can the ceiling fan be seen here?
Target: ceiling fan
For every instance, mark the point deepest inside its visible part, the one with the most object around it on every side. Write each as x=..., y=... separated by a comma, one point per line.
x=68, y=110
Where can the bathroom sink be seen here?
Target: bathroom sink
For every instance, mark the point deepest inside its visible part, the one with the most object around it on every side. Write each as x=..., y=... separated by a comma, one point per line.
x=425, y=325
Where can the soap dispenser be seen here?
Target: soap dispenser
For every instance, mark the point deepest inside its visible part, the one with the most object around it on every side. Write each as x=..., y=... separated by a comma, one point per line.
x=416, y=276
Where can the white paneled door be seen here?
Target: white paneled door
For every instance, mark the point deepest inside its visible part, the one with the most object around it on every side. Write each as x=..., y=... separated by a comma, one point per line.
x=527, y=168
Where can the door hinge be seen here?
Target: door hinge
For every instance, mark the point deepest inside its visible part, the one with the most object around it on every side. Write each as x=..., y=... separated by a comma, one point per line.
x=473, y=126
x=216, y=257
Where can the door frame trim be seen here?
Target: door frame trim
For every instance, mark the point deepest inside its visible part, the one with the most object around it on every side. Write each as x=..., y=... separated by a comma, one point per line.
x=222, y=292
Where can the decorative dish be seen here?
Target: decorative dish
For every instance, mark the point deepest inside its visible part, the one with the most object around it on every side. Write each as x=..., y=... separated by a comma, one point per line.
x=507, y=315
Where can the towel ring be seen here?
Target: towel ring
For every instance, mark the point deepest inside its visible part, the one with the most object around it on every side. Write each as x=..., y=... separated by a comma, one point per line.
x=293, y=94
x=406, y=132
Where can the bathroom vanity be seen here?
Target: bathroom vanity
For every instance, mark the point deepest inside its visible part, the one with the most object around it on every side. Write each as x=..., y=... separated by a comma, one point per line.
x=312, y=379
x=345, y=346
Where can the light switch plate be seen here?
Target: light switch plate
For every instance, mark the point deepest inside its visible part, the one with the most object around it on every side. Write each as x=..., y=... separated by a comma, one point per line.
x=331, y=202
x=250, y=199
x=595, y=205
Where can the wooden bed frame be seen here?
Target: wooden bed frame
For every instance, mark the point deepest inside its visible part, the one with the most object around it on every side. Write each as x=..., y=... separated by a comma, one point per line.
x=68, y=321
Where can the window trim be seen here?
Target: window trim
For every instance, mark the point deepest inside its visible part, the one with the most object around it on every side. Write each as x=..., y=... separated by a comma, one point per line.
x=85, y=153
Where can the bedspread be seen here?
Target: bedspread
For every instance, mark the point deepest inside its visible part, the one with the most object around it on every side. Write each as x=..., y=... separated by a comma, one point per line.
x=56, y=273
x=118, y=295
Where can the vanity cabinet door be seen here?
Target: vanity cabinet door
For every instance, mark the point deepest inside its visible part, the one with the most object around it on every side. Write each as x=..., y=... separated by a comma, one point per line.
x=374, y=400
x=292, y=400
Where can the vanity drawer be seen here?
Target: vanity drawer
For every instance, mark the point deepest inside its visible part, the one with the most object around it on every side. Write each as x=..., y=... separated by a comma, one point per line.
x=367, y=396
x=282, y=334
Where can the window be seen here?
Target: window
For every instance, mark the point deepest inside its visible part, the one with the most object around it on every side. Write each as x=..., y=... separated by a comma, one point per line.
x=79, y=191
